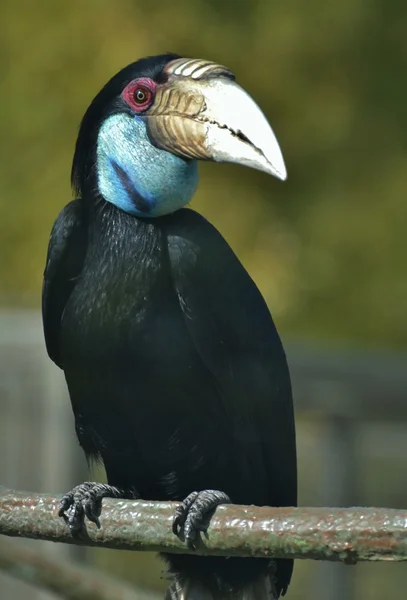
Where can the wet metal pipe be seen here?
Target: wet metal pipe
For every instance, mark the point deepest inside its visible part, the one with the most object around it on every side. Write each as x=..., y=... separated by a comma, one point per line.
x=335, y=534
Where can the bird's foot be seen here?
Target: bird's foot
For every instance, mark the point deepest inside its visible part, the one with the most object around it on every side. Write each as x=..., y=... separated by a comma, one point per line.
x=86, y=500
x=194, y=513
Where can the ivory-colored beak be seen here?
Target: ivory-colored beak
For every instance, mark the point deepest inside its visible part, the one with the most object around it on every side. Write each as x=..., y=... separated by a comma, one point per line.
x=200, y=112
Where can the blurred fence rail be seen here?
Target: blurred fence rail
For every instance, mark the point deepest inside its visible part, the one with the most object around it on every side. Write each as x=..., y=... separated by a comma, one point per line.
x=340, y=391
x=67, y=579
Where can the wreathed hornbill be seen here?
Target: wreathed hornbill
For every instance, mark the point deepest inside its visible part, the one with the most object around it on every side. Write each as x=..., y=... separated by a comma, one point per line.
x=176, y=373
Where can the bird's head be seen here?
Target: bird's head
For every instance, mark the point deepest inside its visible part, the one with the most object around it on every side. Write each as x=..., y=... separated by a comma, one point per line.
x=140, y=138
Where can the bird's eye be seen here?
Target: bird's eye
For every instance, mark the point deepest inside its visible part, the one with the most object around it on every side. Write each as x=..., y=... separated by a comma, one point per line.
x=139, y=94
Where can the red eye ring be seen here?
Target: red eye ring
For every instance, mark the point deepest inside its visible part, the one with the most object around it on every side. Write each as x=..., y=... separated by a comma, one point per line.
x=139, y=93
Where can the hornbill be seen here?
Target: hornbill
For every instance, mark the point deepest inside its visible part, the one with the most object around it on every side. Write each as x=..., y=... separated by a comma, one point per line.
x=177, y=376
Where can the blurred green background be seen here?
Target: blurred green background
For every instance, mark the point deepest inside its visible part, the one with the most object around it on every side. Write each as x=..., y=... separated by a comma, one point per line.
x=327, y=248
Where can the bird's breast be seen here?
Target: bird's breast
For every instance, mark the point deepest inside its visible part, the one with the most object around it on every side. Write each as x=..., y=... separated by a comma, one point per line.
x=124, y=310
x=137, y=384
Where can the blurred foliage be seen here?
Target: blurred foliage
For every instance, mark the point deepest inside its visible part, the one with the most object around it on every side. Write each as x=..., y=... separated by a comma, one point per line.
x=328, y=247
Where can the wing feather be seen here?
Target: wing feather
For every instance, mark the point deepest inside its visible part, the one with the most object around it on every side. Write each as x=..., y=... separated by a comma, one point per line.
x=65, y=257
x=232, y=330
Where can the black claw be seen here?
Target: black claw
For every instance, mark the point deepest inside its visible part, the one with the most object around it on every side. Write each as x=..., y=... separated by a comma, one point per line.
x=65, y=503
x=194, y=513
x=93, y=510
x=181, y=512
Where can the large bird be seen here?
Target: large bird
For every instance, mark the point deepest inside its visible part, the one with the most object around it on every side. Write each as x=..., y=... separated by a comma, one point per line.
x=177, y=376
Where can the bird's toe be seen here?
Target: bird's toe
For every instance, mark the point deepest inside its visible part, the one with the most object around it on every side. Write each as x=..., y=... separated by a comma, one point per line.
x=181, y=513
x=93, y=508
x=65, y=503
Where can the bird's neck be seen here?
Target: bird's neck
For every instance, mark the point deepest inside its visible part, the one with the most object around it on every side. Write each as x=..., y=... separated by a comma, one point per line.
x=137, y=177
x=114, y=232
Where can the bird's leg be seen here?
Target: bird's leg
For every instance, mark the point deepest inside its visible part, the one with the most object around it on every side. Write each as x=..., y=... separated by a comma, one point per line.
x=194, y=513
x=86, y=500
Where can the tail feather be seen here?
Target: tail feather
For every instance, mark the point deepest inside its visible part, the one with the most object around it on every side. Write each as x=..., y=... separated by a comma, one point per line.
x=189, y=589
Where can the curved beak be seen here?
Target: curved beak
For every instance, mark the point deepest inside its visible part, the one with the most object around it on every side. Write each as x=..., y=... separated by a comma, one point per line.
x=200, y=112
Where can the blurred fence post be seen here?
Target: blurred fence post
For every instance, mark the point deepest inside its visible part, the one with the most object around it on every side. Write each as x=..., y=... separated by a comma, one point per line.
x=38, y=448
x=338, y=486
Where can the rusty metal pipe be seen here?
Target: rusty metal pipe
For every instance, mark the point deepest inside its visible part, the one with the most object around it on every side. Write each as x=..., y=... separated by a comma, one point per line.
x=335, y=534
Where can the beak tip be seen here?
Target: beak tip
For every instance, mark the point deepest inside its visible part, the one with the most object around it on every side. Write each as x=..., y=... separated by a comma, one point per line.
x=280, y=171
x=274, y=158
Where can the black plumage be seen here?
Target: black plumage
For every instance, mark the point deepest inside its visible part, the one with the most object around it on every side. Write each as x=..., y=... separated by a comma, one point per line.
x=176, y=373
